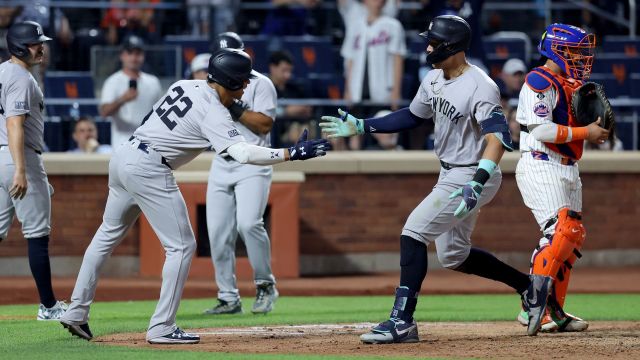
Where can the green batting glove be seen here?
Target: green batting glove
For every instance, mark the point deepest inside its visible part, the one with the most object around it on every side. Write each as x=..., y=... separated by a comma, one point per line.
x=344, y=126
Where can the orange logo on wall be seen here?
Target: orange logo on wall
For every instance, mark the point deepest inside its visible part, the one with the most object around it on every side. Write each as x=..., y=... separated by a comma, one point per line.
x=630, y=50
x=502, y=51
x=334, y=92
x=619, y=72
x=71, y=89
x=188, y=53
x=309, y=55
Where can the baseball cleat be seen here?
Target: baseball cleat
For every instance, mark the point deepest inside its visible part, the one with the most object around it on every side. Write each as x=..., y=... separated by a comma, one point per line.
x=81, y=331
x=225, y=307
x=176, y=337
x=569, y=323
x=266, y=296
x=53, y=313
x=534, y=301
x=392, y=331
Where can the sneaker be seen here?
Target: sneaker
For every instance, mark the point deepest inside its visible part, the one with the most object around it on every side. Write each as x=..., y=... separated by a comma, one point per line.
x=266, y=296
x=392, y=331
x=534, y=301
x=81, y=331
x=176, y=337
x=224, y=307
x=53, y=313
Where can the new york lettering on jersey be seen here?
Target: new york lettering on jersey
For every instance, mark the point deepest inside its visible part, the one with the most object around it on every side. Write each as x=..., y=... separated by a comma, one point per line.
x=446, y=109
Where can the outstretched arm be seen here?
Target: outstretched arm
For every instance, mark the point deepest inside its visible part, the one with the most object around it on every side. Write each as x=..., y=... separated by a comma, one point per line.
x=348, y=125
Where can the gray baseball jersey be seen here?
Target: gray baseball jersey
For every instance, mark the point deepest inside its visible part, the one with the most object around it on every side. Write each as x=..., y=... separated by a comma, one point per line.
x=457, y=106
x=188, y=120
x=21, y=95
x=237, y=196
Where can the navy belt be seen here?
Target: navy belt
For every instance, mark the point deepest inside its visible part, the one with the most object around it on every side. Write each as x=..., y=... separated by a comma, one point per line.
x=448, y=166
x=145, y=147
x=36, y=151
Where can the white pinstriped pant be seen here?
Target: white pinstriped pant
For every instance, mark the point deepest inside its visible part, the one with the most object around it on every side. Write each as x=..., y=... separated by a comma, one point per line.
x=547, y=186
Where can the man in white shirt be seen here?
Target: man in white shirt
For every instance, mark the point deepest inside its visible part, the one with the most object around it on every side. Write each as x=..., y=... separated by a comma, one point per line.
x=120, y=96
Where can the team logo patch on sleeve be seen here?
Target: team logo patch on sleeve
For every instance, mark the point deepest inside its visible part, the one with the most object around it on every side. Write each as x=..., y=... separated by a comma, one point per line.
x=541, y=109
x=233, y=133
x=21, y=105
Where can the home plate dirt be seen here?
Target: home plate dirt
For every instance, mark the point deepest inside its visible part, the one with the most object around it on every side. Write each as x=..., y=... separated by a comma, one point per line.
x=495, y=340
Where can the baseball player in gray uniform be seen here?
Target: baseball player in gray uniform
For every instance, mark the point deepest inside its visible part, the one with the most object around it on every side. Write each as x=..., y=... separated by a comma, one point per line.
x=471, y=134
x=24, y=188
x=237, y=197
x=191, y=118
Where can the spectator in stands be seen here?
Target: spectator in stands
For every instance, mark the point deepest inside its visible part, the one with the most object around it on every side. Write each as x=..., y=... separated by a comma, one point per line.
x=7, y=15
x=85, y=134
x=200, y=66
x=122, y=22
x=374, y=54
x=512, y=77
x=198, y=13
x=120, y=96
x=471, y=11
x=510, y=114
x=280, y=70
x=289, y=17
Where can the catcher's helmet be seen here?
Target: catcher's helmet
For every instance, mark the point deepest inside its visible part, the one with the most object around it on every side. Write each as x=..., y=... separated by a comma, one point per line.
x=230, y=68
x=569, y=47
x=227, y=40
x=448, y=34
x=22, y=34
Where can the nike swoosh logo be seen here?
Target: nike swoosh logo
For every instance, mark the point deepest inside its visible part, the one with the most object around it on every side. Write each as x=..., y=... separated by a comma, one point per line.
x=403, y=331
x=434, y=82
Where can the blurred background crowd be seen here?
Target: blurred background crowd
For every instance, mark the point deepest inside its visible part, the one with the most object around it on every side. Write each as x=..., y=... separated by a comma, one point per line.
x=111, y=60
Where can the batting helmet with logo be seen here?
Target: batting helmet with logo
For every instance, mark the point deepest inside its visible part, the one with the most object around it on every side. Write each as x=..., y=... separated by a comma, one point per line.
x=22, y=34
x=227, y=40
x=448, y=35
x=569, y=47
x=230, y=68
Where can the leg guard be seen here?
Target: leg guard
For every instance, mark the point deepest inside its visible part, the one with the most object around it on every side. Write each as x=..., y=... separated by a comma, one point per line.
x=557, y=257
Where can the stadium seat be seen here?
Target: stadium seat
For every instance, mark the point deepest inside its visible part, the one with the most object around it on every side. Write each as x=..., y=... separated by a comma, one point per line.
x=69, y=86
x=634, y=79
x=612, y=86
x=624, y=132
x=311, y=54
x=621, y=44
x=326, y=86
x=617, y=64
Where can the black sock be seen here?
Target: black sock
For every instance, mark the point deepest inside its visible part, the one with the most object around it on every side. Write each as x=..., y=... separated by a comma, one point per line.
x=41, y=269
x=413, y=270
x=484, y=264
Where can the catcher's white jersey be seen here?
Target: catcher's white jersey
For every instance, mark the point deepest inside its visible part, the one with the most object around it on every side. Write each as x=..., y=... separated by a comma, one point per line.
x=457, y=107
x=201, y=122
x=546, y=182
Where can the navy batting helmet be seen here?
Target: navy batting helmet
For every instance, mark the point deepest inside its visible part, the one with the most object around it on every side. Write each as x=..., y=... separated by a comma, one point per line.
x=227, y=40
x=22, y=34
x=448, y=35
x=230, y=68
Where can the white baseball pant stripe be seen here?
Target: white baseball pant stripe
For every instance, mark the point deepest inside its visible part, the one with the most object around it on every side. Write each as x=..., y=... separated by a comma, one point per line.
x=140, y=182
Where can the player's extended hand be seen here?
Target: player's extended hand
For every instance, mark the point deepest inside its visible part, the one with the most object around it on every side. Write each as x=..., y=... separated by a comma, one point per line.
x=344, y=126
x=308, y=149
x=19, y=188
x=470, y=193
x=597, y=134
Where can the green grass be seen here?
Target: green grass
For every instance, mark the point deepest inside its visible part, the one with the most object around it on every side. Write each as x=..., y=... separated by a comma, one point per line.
x=31, y=339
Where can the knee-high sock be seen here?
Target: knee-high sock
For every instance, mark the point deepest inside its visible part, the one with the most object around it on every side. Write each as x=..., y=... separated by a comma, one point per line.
x=413, y=270
x=41, y=269
x=484, y=264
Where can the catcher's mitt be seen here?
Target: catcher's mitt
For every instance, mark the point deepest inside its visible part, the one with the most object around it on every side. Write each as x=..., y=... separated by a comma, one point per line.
x=588, y=102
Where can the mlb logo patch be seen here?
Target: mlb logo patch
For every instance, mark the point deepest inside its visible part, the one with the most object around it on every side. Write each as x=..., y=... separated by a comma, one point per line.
x=21, y=105
x=541, y=109
x=233, y=133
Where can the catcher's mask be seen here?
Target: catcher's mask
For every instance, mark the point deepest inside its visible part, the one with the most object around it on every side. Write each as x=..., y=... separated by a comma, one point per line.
x=569, y=47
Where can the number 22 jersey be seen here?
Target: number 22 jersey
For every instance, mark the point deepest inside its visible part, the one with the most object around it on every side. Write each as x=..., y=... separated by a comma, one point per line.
x=187, y=121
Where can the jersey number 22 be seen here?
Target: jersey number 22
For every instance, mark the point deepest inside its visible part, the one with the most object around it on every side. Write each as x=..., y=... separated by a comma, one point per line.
x=168, y=100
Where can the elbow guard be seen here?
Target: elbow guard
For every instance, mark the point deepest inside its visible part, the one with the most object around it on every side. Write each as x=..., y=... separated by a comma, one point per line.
x=239, y=152
x=497, y=125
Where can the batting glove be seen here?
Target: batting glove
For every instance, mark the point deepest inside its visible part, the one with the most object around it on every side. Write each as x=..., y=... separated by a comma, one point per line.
x=237, y=108
x=308, y=149
x=470, y=193
x=344, y=126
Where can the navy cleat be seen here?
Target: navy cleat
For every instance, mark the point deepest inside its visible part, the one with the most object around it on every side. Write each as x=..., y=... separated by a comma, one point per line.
x=534, y=301
x=176, y=337
x=81, y=331
x=392, y=331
